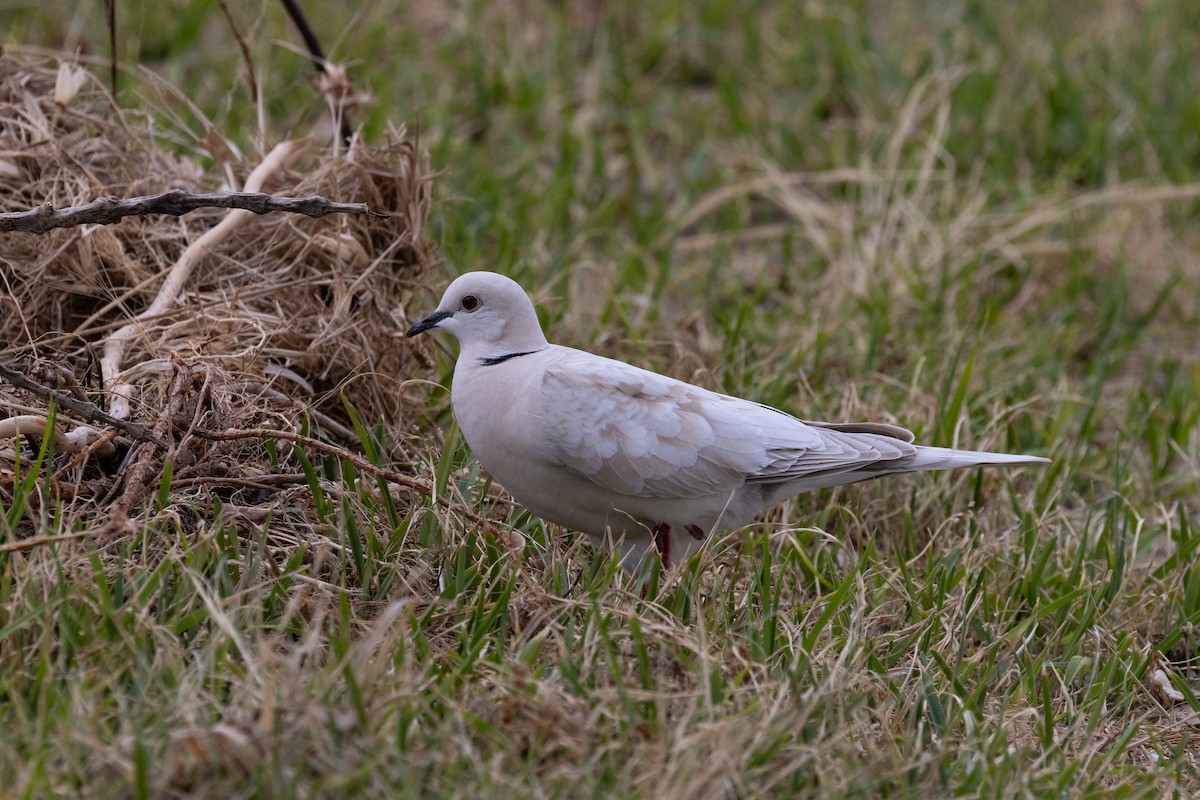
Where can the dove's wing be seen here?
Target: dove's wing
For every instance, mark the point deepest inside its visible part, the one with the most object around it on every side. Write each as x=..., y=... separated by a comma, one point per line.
x=641, y=434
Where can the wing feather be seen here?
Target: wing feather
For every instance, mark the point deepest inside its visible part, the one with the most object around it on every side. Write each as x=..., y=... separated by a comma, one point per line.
x=643, y=434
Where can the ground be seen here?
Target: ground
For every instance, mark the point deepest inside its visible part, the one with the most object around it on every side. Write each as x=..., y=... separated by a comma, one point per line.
x=974, y=220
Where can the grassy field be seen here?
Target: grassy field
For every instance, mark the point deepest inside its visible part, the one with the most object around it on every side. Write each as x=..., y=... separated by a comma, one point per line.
x=976, y=220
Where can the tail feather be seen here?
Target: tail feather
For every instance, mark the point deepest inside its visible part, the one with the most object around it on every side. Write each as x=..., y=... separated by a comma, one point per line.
x=925, y=458
x=920, y=458
x=928, y=458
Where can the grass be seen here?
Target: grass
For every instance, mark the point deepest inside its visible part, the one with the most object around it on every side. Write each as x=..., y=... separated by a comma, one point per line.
x=976, y=220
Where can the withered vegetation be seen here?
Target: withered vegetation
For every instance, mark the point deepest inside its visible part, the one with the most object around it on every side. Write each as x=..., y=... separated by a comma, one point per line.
x=283, y=325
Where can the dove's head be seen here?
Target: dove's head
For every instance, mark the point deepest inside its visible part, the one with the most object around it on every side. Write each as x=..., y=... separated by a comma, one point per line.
x=488, y=313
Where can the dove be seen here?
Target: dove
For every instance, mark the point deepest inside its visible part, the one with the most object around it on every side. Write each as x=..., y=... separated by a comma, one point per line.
x=641, y=462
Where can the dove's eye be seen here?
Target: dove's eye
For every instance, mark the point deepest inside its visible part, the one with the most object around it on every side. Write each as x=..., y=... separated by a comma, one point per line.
x=470, y=303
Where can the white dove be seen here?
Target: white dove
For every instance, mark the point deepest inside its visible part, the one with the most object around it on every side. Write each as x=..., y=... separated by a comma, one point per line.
x=634, y=459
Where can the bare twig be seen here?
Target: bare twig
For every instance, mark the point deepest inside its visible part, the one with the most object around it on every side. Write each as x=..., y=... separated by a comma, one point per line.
x=241, y=40
x=42, y=541
x=80, y=439
x=87, y=410
x=292, y=7
x=110, y=19
x=176, y=202
x=306, y=33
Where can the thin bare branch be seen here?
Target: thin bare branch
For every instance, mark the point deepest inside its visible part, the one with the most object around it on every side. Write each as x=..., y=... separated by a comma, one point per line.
x=294, y=12
x=43, y=541
x=176, y=202
x=87, y=410
x=245, y=48
x=110, y=19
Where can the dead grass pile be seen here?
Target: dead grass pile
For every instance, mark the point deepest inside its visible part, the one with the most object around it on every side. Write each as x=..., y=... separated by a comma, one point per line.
x=215, y=320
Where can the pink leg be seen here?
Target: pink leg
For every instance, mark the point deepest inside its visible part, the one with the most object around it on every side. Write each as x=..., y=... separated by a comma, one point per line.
x=696, y=532
x=662, y=542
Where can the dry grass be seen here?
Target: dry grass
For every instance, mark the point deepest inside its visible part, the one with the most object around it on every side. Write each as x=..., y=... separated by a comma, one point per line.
x=280, y=326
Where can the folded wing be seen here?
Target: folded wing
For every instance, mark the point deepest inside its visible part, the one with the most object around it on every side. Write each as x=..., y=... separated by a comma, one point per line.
x=642, y=434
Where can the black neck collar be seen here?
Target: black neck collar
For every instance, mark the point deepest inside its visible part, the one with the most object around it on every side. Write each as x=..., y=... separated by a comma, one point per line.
x=491, y=361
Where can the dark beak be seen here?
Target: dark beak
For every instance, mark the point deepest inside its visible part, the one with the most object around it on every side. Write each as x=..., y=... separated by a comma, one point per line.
x=429, y=322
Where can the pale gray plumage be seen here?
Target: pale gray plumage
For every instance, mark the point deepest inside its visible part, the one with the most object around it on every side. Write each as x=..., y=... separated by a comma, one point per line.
x=636, y=459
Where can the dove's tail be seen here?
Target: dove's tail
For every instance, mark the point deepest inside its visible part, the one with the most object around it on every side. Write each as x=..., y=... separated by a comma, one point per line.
x=925, y=458
x=928, y=458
